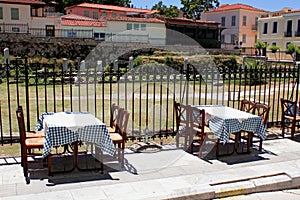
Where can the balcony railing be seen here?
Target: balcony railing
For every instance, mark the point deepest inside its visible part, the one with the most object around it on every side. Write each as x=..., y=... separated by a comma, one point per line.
x=254, y=27
x=288, y=34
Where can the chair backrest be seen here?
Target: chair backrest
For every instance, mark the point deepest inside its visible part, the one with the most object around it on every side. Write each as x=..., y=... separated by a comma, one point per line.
x=288, y=108
x=262, y=110
x=181, y=114
x=197, y=118
x=247, y=106
x=123, y=123
x=21, y=123
x=114, y=114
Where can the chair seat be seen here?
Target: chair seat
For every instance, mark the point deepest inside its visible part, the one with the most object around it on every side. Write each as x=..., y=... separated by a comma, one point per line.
x=111, y=130
x=206, y=130
x=291, y=118
x=35, y=134
x=35, y=142
x=116, y=137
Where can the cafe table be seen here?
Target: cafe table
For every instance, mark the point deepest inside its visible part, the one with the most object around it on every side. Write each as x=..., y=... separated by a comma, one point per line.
x=71, y=127
x=224, y=120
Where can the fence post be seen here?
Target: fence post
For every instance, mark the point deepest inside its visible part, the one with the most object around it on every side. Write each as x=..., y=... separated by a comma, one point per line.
x=7, y=62
x=27, y=93
x=297, y=80
x=130, y=63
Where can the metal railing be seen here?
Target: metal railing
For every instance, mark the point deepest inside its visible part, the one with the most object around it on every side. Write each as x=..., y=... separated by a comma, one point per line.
x=147, y=96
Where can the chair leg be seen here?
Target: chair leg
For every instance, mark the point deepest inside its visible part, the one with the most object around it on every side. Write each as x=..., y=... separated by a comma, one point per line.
x=260, y=144
x=293, y=130
x=49, y=164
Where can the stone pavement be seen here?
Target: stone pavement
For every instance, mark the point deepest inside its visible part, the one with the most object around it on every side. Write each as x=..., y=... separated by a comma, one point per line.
x=168, y=174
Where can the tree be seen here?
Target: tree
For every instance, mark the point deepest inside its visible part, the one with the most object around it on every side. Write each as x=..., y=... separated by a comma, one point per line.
x=274, y=49
x=171, y=11
x=292, y=49
x=193, y=8
x=259, y=46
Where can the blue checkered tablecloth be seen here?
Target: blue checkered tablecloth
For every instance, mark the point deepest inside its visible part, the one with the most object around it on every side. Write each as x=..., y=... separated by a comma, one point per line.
x=225, y=120
x=94, y=132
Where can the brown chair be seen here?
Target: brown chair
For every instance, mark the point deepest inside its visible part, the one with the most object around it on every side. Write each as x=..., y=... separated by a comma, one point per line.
x=249, y=107
x=198, y=129
x=31, y=134
x=114, y=118
x=119, y=138
x=289, y=116
x=261, y=110
x=182, y=123
x=29, y=146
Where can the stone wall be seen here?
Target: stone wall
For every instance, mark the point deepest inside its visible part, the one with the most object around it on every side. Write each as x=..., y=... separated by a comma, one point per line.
x=20, y=44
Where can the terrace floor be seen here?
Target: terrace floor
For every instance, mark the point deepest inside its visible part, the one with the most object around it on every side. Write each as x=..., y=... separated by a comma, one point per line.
x=169, y=173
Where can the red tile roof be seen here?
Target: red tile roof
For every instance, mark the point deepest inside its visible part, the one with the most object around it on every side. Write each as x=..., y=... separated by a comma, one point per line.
x=23, y=2
x=226, y=7
x=135, y=19
x=115, y=8
x=185, y=21
x=76, y=20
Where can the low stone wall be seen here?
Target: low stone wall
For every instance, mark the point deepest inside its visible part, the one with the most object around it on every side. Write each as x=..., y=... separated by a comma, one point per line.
x=22, y=44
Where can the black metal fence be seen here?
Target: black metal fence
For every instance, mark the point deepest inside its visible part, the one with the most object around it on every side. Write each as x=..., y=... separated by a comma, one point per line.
x=147, y=92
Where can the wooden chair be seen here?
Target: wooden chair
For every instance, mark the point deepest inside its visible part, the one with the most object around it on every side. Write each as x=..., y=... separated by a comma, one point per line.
x=182, y=123
x=114, y=118
x=119, y=138
x=261, y=110
x=289, y=116
x=31, y=134
x=28, y=147
x=198, y=129
x=249, y=107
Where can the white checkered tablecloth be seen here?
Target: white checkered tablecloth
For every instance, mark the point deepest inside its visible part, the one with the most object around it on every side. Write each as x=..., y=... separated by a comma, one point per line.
x=64, y=128
x=225, y=120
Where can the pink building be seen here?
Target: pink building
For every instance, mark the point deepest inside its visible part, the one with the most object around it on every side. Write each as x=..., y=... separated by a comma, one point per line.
x=239, y=24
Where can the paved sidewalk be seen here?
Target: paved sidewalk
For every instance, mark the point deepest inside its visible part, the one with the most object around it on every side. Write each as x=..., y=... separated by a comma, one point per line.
x=167, y=174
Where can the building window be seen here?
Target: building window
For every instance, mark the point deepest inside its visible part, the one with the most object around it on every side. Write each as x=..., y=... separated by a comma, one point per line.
x=232, y=39
x=99, y=36
x=233, y=20
x=50, y=30
x=1, y=13
x=275, y=24
x=244, y=20
x=244, y=40
x=222, y=39
x=289, y=28
x=122, y=15
x=15, y=29
x=15, y=13
x=298, y=29
x=114, y=14
x=129, y=26
x=95, y=15
x=265, y=28
x=72, y=34
x=86, y=13
x=104, y=14
x=223, y=21
x=143, y=27
x=136, y=27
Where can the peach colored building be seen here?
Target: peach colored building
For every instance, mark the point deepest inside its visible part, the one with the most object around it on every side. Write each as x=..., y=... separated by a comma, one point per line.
x=239, y=24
